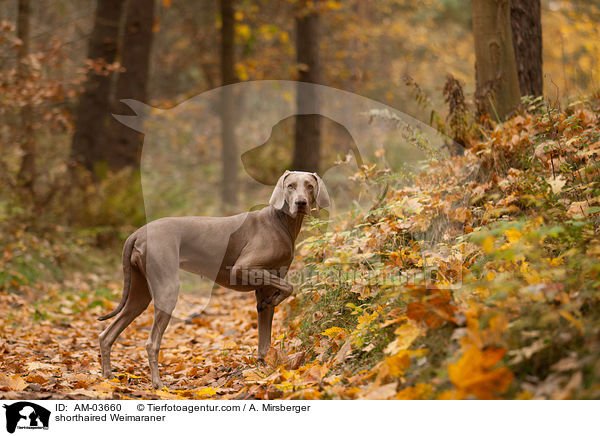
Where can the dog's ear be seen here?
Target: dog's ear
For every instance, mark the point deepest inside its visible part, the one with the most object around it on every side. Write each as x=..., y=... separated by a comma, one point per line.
x=278, y=197
x=322, y=200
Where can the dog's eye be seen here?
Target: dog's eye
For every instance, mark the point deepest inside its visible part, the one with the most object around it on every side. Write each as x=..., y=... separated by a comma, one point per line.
x=290, y=186
x=311, y=187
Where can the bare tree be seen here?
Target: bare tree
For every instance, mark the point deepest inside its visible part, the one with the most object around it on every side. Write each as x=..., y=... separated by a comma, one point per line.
x=496, y=70
x=27, y=171
x=526, y=25
x=90, y=140
x=307, y=149
x=229, y=150
x=126, y=146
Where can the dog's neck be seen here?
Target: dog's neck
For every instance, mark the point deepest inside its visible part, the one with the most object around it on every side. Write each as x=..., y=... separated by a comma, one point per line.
x=291, y=224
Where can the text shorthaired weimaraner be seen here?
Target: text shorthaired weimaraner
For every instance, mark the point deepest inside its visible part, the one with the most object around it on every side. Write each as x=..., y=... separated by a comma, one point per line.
x=246, y=252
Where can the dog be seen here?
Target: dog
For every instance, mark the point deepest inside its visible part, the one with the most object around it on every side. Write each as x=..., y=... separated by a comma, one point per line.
x=251, y=251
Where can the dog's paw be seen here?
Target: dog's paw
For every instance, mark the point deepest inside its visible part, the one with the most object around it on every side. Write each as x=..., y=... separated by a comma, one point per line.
x=158, y=385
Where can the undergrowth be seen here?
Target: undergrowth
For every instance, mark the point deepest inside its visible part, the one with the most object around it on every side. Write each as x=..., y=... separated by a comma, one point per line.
x=503, y=304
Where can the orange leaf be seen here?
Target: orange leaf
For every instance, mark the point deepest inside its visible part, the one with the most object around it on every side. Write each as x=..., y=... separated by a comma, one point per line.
x=36, y=378
x=395, y=365
x=474, y=373
x=421, y=391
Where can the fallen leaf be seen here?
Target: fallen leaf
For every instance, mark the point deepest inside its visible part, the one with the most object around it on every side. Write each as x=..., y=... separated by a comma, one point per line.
x=382, y=392
x=475, y=373
x=405, y=336
x=343, y=352
x=13, y=382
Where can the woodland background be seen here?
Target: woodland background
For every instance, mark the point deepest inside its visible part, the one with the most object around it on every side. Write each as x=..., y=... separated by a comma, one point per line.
x=513, y=84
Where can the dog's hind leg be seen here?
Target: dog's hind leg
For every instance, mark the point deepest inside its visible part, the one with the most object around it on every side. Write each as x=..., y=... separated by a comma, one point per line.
x=137, y=302
x=161, y=321
x=165, y=291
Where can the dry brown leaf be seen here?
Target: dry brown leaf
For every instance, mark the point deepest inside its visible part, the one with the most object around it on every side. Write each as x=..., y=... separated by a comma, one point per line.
x=13, y=382
x=343, y=352
x=295, y=360
x=383, y=392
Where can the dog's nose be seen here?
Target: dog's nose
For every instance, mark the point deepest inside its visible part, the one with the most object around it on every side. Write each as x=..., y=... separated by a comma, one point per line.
x=301, y=202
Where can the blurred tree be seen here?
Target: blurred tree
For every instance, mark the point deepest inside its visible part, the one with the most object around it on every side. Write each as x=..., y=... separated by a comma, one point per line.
x=495, y=69
x=307, y=147
x=526, y=24
x=90, y=139
x=137, y=36
x=26, y=175
x=229, y=153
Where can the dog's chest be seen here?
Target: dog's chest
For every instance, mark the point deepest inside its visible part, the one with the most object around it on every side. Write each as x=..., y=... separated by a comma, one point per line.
x=275, y=254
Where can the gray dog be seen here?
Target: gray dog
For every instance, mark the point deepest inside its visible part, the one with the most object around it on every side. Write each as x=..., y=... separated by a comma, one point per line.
x=246, y=252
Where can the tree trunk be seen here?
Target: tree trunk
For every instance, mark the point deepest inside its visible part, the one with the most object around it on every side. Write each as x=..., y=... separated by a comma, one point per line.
x=27, y=171
x=126, y=145
x=526, y=25
x=496, y=71
x=229, y=151
x=91, y=139
x=307, y=147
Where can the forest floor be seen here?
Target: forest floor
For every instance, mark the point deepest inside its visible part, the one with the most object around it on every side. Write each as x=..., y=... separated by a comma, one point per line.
x=210, y=355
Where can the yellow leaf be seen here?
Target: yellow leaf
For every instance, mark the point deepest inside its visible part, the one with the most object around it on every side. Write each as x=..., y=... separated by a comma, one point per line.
x=488, y=245
x=406, y=335
x=332, y=332
x=243, y=30
x=126, y=375
x=365, y=319
x=333, y=5
x=205, y=392
x=513, y=235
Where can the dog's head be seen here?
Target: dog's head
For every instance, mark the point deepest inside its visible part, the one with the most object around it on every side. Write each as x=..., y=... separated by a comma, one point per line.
x=298, y=192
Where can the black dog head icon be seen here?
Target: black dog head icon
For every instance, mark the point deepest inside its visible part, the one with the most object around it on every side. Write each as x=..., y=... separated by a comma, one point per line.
x=26, y=413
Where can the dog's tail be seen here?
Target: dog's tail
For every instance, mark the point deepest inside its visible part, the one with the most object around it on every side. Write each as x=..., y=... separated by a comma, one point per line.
x=127, y=250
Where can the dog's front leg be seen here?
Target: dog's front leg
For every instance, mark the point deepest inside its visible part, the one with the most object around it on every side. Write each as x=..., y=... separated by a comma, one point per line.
x=265, y=320
x=278, y=289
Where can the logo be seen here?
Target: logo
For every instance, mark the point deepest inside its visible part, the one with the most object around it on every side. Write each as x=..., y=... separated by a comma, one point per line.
x=26, y=415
